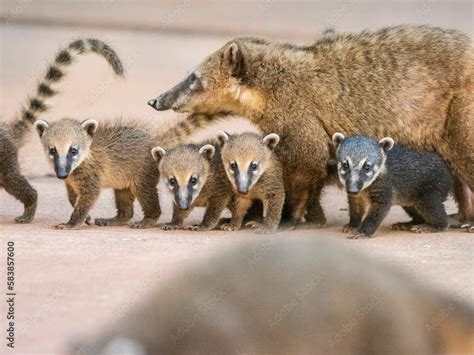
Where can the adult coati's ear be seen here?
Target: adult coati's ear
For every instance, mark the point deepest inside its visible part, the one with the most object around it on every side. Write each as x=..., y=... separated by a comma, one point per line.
x=386, y=143
x=233, y=57
x=41, y=126
x=271, y=140
x=337, y=138
x=158, y=153
x=90, y=126
x=207, y=151
x=223, y=137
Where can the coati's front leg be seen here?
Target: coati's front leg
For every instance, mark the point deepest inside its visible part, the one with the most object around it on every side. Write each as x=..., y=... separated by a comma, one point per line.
x=214, y=210
x=87, y=195
x=177, y=220
x=147, y=195
x=272, y=207
x=239, y=210
x=17, y=186
x=381, y=201
x=72, y=197
x=356, y=213
x=124, y=202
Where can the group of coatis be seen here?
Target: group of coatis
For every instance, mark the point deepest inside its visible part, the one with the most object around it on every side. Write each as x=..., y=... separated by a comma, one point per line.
x=388, y=114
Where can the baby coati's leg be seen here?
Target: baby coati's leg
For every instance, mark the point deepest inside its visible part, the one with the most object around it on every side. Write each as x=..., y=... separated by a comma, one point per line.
x=357, y=209
x=213, y=212
x=124, y=202
x=239, y=210
x=380, y=203
x=417, y=219
x=272, y=208
x=147, y=196
x=314, y=211
x=17, y=186
x=72, y=197
x=433, y=212
x=177, y=220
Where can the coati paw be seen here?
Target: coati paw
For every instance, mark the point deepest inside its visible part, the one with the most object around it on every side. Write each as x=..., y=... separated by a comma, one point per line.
x=102, y=222
x=63, y=226
x=88, y=221
x=358, y=235
x=169, y=226
x=423, y=228
x=197, y=228
x=402, y=226
x=24, y=219
x=469, y=227
x=228, y=227
x=260, y=228
x=144, y=223
x=348, y=229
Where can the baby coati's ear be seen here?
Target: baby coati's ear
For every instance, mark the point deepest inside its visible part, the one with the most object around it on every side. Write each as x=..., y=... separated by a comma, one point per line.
x=207, y=151
x=158, y=153
x=233, y=57
x=223, y=137
x=41, y=126
x=386, y=143
x=271, y=140
x=337, y=138
x=90, y=126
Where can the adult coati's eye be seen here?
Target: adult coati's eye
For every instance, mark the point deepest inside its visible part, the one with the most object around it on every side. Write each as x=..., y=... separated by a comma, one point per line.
x=253, y=166
x=233, y=166
x=52, y=151
x=172, y=181
x=193, y=180
x=73, y=151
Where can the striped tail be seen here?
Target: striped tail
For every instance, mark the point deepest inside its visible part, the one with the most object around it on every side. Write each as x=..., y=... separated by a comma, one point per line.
x=55, y=73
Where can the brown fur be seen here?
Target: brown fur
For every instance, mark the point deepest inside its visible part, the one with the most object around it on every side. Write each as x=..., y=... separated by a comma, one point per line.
x=413, y=83
x=291, y=296
x=265, y=184
x=212, y=189
x=13, y=134
x=111, y=155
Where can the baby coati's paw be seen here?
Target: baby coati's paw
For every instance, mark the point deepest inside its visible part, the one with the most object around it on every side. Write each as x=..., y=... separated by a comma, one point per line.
x=197, y=228
x=66, y=226
x=144, y=223
x=348, y=228
x=228, y=227
x=169, y=226
x=103, y=222
x=260, y=228
x=24, y=219
x=424, y=228
x=358, y=235
x=402, y=226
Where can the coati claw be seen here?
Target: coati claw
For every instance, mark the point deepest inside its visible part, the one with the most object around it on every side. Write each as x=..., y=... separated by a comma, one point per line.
x=228, y=227
x=197, y=228
x=23, y=219
x=144, y=223
x=348, y=229
x=468, y=227
x=402, y=226
x=169, y=226
x=63, y=226
x=259, y=228
x=357, y=235
x=423, y=228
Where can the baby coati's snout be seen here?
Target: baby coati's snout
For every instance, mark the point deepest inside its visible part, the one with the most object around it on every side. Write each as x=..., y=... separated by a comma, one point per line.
x=184, y=171
x=66, y=143
x=245, y=157
x=360, y=160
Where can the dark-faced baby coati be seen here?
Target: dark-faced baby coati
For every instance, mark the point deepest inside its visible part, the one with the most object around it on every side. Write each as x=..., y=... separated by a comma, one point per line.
x=290, y=296
x=89, y=157
x=255, y=174
x=379, y=174
x=13, y=134
x=195, y=176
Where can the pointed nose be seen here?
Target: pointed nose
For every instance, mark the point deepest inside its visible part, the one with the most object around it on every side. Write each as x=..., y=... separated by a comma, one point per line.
x=153, y=103
x=62, y=175
x=352, y=190
x=183, y=205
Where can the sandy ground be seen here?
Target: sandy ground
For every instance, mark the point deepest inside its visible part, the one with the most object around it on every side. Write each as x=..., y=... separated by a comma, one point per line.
x=71, y=283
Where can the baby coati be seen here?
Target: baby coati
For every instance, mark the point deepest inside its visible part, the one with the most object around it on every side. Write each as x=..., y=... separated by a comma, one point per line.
x=195, y=176
x=290, y=296
x=89, y=157
x=255, y=174
x=13, y=134
x=379, y=174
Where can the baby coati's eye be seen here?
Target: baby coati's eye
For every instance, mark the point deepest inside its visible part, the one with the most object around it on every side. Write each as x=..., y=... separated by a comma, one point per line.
x=73, y=151
x=367, y=167
x=52, y=151
x=253, y=166
x=193, y=180
x=345, y=165
x=233, y=166
x=172, y=181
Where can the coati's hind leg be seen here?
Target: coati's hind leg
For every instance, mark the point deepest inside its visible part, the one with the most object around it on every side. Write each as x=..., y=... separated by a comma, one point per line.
x=417, y=219
x=147, y=196
x=465, y=200
x=434, y=215
x=314, y=211
x=17, y=186
x=124, y=202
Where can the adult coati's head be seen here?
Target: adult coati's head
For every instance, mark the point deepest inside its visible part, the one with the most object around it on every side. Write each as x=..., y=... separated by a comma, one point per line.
x=184, y=170
x=66, y=142
x=245, y=157
x=360, y=160
x=218, y=84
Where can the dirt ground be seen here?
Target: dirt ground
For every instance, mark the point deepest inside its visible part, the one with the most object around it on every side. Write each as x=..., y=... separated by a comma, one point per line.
x=72, y=283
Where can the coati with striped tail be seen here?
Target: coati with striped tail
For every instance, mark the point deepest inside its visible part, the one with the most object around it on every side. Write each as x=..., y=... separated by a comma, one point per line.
x=412, y=83
x=255, y=174
x=13, y=134
x=194, y=174
x=290, y=296
x=90, y=156
x=379, y=174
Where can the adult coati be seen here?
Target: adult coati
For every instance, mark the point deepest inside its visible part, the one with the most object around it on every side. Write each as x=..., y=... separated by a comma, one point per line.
x=13, y=134
x=290, y=296
x=413, y=83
